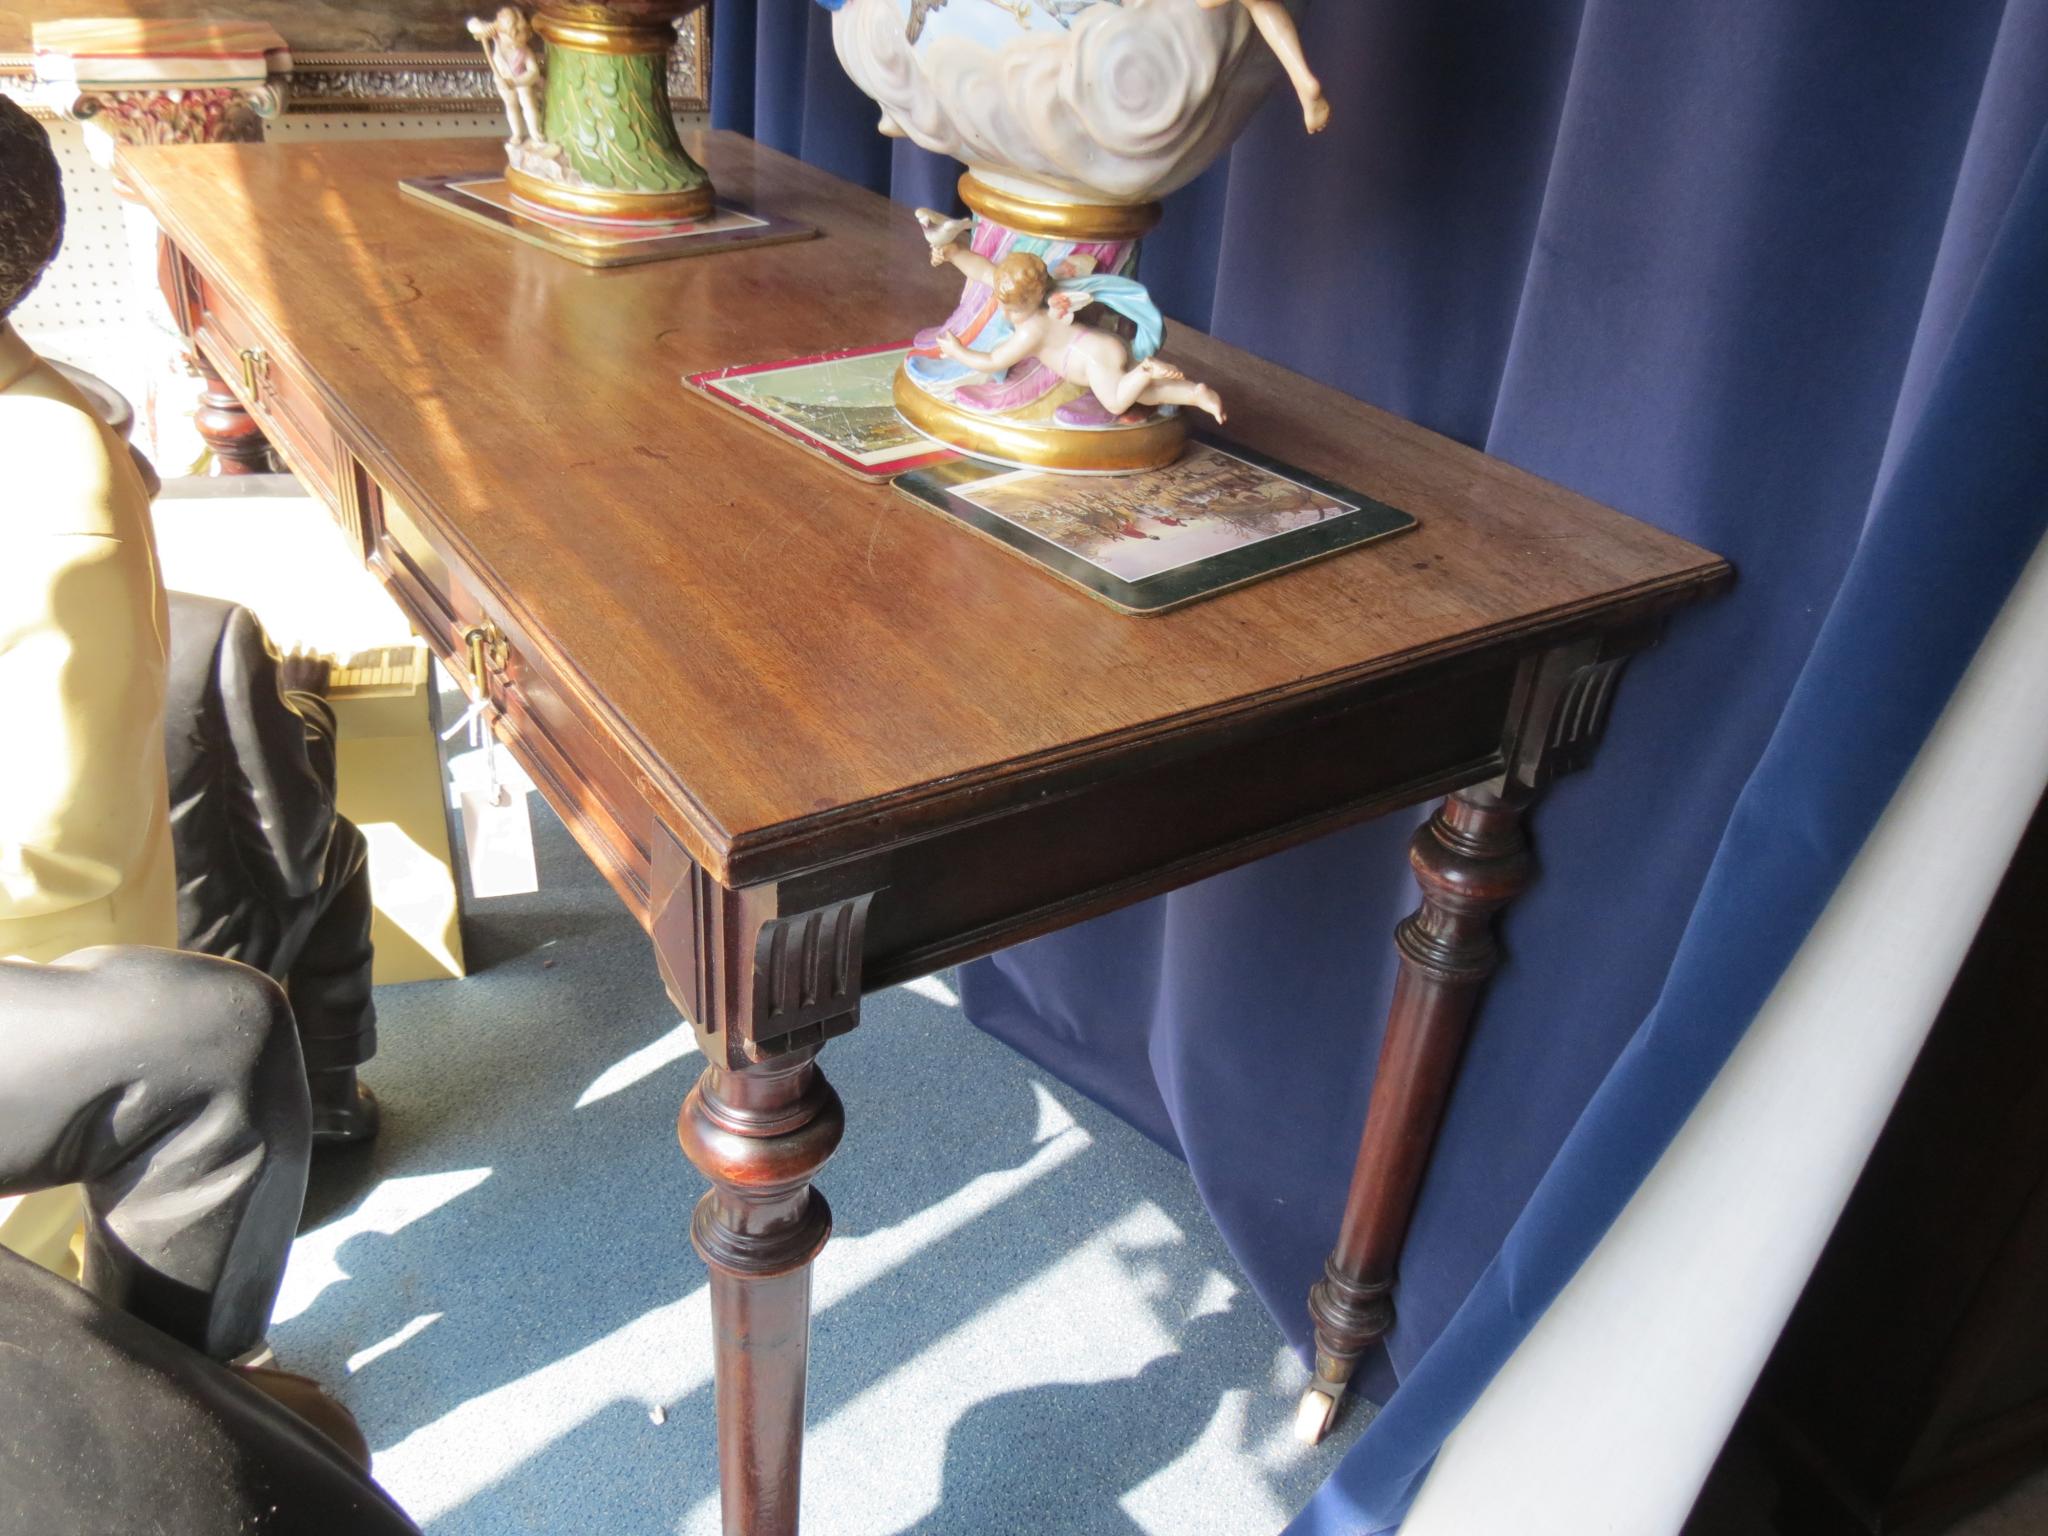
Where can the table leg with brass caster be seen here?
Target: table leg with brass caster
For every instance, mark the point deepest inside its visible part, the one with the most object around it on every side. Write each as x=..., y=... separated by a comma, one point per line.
x=1471, y=860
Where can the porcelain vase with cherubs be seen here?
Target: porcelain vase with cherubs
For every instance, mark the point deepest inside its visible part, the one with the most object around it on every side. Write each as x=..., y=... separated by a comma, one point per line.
x=1074, y=118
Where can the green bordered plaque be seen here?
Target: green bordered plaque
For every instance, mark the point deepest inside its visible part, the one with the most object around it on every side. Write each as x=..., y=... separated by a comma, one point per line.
x=1218, y=517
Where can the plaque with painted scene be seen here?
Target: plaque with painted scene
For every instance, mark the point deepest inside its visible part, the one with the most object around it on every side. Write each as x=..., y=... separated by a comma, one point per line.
x=836, y=404
x=1216, y=518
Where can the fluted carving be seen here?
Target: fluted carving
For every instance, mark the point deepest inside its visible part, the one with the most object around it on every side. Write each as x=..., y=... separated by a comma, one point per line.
x=807, y=977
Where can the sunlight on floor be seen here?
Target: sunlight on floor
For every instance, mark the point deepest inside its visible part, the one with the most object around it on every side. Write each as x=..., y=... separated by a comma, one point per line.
x=645, y=1062
x=1024, y=1320
x=935, y=989
x=387, y=1210
x=382, y=1347
x=1202, y=1478
x=654, y=1359
x=970, y=1380
x=859, y=1261
x=663, y=1355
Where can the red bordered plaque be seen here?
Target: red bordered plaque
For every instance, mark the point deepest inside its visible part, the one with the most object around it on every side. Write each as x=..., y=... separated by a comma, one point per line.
x=839, y=405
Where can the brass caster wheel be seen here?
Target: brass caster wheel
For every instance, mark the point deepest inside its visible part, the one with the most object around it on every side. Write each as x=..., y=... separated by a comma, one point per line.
x=1315, y=1415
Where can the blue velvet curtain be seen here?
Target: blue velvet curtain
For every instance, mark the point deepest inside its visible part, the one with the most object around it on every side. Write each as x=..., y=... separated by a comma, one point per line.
x=1770, y=274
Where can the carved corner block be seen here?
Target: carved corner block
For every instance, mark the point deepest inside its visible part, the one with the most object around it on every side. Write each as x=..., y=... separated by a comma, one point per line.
x=1561, y=707
x=807, y=976
x=758, y=983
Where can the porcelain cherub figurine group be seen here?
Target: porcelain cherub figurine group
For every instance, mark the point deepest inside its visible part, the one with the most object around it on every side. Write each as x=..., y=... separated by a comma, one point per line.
x=1041, y=311
x=1075, y=118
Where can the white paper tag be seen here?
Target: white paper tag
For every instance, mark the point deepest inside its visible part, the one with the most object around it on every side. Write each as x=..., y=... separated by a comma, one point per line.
x=483, y=770
x=498, y=833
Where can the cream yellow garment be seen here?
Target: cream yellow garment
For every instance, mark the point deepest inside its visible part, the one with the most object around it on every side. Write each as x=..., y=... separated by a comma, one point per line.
x=85, y=844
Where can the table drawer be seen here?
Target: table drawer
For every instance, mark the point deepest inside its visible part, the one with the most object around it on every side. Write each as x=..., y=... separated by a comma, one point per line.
x=276, y=394
x=595, y=793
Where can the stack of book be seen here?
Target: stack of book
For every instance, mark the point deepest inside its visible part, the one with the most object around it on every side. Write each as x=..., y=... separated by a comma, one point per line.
x=130, y=54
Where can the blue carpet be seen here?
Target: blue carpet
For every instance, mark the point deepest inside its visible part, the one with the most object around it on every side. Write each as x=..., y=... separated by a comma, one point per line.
x=1025, y=1322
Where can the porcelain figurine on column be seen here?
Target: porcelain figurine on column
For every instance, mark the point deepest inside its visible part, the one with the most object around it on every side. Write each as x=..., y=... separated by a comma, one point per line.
x=601, y=142
x=516, y=71
x=1075, y=117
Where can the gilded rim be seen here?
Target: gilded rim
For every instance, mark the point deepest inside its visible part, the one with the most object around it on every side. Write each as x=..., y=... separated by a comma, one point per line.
x=1109, y=451
x=1059, y=221
x=600, y=203
x=592, y=32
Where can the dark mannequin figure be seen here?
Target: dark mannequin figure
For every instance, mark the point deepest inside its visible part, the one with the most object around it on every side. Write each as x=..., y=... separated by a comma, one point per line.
x=268, y=873
x=170, y=1086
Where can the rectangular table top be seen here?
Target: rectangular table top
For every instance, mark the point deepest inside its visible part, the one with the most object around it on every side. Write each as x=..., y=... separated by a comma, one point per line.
x=781, y=649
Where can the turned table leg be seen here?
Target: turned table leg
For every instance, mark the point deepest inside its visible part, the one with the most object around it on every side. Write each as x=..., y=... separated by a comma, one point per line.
x=227, y=428
x=760, y=1134
x=1471, y=860
x=765, y=987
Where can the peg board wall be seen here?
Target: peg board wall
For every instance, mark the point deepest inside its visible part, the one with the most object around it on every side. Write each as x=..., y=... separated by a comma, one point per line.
x=87, y=285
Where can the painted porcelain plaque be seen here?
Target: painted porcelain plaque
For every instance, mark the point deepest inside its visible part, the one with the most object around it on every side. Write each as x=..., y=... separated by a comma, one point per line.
x=1074, y=118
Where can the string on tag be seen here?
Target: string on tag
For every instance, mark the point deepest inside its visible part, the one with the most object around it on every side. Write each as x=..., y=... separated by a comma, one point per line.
x=500, y=793
x=472, y=721
x=476, y=721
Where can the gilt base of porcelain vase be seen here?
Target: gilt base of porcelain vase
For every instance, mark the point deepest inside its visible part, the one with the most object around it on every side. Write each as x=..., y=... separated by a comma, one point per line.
x=1028, y=416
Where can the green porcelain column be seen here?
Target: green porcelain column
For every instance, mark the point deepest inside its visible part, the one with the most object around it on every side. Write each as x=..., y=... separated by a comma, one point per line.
x=608, y=112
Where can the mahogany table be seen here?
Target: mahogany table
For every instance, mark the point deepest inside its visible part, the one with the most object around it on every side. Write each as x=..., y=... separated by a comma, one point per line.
x=822, y=742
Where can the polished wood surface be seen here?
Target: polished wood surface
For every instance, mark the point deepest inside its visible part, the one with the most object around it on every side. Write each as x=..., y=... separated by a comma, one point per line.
x=820, y=740
x=785, y=653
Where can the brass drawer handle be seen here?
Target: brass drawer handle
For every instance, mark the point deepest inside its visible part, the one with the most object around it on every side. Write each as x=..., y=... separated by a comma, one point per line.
x=487, y=652
x=255, y=371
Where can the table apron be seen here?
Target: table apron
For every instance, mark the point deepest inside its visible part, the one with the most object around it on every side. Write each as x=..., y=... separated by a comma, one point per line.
x=1149, y=826
x=1024, y=854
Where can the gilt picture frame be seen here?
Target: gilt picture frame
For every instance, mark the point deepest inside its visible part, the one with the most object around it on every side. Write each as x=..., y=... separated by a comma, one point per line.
x=409, y=56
